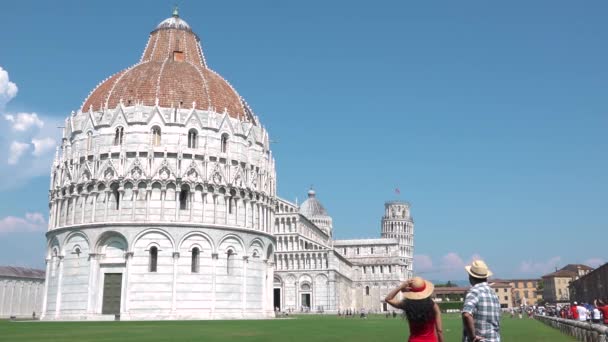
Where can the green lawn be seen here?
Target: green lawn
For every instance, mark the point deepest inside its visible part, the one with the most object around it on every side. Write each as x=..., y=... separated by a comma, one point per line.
x=303, y=328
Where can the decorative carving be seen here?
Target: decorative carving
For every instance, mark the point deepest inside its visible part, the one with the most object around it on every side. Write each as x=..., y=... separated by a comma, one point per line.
x=136, y=173
x=217, y=178
x=192, y=175
x=108, y=174
x=164, y=173
x=86, y=176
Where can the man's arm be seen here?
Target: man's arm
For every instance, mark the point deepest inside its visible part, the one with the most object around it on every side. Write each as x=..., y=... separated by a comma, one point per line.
x=468, y=322
x=469, y=326
x=390, y=297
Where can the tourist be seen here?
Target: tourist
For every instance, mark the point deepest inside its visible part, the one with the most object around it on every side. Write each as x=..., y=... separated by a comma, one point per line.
x=596, y=315
x=481, y=310
x=423, y=315
x=574, y=311
x=603, y=307
x=582, y=313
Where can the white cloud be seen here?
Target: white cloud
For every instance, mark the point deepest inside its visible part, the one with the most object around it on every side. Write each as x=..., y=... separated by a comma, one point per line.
x=538, y=268
x=423, y=263
x=594, y=262
x=22, y=122
x=42, y=146
x=8, y=89
x=16, y=150
x=32, y=222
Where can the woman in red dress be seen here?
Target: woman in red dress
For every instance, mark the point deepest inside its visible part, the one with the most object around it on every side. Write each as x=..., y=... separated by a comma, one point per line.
x=423, y=315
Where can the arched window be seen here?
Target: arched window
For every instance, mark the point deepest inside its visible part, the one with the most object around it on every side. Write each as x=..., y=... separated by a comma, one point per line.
x=224, y=143
x=156, y=136
x=229, y=261
x=89, y=141
x=152, y=266
x=367, y=290
x=192, y=138
x=118, y=136
x=183, y=198
x=195, y=260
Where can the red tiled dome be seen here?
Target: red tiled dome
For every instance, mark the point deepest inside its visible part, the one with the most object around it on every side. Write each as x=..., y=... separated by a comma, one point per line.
x=173, y=73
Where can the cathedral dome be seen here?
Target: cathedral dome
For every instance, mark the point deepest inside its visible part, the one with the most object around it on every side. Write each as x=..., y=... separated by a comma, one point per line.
x=311, y=207
x=171, y=73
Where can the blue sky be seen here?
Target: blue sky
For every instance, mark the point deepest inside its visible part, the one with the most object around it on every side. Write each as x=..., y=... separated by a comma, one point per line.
x=490, y=117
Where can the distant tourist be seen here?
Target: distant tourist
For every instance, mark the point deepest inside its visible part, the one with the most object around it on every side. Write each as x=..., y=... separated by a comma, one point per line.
x=423, y=315
x=603, y=307
x=582, y=312
x=574, y=311
x=481, y=310
x=596, y=315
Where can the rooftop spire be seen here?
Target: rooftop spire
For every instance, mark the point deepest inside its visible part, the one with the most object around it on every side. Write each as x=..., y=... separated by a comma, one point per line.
x=175, y=11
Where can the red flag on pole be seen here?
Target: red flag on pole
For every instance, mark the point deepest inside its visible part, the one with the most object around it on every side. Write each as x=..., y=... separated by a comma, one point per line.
x=397, y=191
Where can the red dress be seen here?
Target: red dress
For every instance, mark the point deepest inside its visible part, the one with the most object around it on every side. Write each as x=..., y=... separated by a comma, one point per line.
x=422, y=332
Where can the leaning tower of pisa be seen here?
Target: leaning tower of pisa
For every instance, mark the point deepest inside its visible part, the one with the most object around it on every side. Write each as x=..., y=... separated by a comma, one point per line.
x=397, y=223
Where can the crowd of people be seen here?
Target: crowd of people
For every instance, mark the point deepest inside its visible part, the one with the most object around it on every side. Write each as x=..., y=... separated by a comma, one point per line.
x=585, y=312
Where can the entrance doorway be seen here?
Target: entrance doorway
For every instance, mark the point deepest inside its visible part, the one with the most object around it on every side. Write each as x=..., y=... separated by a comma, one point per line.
x=277, y=299
x=306, y=300
x=112, y=286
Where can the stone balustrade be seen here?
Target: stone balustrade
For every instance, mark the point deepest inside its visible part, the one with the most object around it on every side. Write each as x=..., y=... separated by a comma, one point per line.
x=582, y=331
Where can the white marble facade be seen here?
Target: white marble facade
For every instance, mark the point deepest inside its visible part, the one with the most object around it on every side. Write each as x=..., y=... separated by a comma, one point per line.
x=315, y=273
x=170, y=212
x=21, y=292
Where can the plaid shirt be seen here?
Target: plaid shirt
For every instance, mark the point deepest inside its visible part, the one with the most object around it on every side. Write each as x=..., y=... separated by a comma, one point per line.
x=483, y=304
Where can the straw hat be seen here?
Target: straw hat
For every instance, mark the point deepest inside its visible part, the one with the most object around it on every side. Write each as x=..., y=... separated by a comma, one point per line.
x=419, y=289
x=478, y=269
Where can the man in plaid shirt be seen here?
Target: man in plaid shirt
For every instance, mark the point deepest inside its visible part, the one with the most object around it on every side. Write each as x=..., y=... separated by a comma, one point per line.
x=481, y=310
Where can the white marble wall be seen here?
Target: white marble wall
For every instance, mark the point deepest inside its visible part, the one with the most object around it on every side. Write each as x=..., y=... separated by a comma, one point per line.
x=20, y=297
x=223, y=287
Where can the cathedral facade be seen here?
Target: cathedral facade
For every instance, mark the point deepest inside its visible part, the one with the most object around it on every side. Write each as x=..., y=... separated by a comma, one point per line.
x=163, y=205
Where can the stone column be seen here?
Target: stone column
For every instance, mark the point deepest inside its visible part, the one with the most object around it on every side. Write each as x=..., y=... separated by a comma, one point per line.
x=2, y=296
x=174, y=284
x=214, y=258
x=121, y=198
x=163, y=194
x=95, y=194
x=74, y=201
x=245, y=212
x=84, y=206
x=11, y=299
x=106, y=202
x=214, y=208
x=92, y=285
x=191, y=199
x=125, y=303
x=268, y=287
x=46, y=287
x=148, y=196
x=244, y=287
x=59, y=285
x=134, y=198
x=177, y=204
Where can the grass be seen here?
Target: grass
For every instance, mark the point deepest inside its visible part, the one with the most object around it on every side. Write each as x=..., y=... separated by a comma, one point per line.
x=302, y=328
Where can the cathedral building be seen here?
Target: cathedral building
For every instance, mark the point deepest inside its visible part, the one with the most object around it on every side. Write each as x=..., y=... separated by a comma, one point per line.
x=163, y=205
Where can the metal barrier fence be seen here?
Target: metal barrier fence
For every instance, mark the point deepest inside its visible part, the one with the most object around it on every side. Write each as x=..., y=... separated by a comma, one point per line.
x=583, y=331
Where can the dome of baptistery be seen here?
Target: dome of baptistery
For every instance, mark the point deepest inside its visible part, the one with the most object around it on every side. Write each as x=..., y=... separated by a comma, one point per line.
x=313, y=210
x=162, y=195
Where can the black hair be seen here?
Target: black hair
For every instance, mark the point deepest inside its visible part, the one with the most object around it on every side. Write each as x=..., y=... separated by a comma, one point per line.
x=419, y=311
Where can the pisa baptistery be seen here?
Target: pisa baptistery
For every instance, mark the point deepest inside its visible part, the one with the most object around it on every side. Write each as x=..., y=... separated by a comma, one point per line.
x=162, y=195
